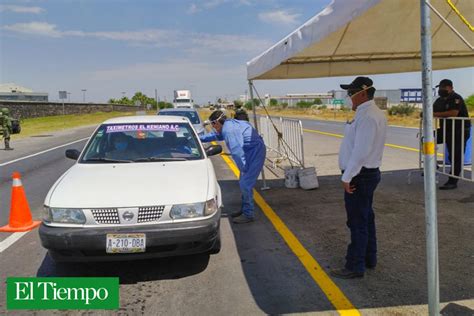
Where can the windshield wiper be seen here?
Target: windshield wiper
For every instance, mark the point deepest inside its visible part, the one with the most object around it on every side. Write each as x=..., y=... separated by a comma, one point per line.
x=155, y=159
x=108, y=160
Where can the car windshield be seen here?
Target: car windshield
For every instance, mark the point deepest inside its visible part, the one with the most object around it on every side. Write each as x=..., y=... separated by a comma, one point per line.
x=138, y=142
x=191, y=115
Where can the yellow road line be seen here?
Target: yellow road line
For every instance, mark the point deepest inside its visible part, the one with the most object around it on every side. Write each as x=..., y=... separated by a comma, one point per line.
x=323, y=133
x=330, y=289
x=387, y=144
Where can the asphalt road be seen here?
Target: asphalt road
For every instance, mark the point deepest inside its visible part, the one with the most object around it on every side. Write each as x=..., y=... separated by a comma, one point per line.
x=241, y=279
x=38, y=172
x=401, y=136
x=256, y=272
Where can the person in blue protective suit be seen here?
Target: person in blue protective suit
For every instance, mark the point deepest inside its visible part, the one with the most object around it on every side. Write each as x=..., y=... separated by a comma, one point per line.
x=248, y=152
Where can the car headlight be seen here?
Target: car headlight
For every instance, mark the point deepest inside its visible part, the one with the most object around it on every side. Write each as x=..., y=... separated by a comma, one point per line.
x=46, y=214
x=194, y=210
x=187, y=210
x=64, y=215
x=211, y=207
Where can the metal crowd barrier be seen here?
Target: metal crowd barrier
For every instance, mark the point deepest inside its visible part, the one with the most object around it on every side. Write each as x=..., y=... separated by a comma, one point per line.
x=458, y=124
x=467, y=152
x=290, y=147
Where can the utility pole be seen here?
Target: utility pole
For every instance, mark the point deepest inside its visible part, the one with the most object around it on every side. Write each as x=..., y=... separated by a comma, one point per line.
x=431, y=213
x=84, y=95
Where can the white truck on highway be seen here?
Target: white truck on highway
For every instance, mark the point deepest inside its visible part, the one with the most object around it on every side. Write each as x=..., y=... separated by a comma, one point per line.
x=182, y=99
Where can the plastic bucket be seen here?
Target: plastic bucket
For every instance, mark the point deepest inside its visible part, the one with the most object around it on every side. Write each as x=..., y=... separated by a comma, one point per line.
x=467, y=151
x=291, y=177
x=308, y=178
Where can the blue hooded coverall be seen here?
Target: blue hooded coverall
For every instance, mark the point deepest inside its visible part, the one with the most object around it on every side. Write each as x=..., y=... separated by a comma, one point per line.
x=248, y=152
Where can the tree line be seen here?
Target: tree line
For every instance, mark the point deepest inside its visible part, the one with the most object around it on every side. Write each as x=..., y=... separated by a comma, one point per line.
x=143, y=100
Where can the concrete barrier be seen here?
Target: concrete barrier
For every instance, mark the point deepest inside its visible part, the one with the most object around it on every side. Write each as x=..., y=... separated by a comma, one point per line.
x=25, y=109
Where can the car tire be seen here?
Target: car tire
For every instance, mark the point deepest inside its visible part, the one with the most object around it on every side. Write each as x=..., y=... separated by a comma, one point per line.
x=216, y=248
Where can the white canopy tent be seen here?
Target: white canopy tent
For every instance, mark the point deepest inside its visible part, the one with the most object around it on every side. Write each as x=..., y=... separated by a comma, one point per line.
x=352, y=37
x=362, y=37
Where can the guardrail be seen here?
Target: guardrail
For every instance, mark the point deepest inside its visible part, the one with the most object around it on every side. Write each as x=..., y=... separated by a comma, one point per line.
x=457, y=146
x=288, y=145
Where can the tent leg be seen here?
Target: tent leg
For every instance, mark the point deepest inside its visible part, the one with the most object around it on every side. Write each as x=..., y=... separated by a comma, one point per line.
x=430, y=162
x=254, y=106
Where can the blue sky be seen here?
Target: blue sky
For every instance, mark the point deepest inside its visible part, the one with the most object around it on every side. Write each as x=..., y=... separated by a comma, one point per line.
x=114, y=46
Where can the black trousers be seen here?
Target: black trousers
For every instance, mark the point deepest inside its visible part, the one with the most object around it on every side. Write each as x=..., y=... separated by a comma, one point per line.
x=362, y=251
x=455, y=148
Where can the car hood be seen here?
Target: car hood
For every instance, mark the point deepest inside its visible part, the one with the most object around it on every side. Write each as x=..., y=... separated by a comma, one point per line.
x=131, y=184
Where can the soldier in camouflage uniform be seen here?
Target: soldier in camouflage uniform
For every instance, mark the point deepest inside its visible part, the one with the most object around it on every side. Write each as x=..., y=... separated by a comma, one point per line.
x=6, y=125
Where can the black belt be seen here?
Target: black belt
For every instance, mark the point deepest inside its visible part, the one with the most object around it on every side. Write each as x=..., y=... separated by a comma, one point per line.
x=365, y=170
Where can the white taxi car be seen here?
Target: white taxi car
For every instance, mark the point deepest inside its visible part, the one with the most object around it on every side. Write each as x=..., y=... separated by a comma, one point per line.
x=142, y=187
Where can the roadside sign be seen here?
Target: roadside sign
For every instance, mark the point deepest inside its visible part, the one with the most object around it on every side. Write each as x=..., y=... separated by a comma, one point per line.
x=62, y=95
x=338, y=101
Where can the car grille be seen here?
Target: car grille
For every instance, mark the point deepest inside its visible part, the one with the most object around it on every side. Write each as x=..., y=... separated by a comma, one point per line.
x=150, y=213
x=106, y=216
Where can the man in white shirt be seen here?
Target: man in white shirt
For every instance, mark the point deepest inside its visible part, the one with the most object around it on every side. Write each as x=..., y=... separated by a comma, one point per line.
x=360, y=157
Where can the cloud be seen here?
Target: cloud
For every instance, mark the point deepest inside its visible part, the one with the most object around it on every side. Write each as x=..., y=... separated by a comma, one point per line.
x=21, y=9
x=230, y=43
x=211, y=4
x=189, y=41
x=34, y=28
x=172, y=69
x=193, y=9
x=280, y=17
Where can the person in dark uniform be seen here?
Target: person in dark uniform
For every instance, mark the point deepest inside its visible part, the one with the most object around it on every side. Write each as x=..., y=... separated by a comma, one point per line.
x=450, y=104
x=240, y=113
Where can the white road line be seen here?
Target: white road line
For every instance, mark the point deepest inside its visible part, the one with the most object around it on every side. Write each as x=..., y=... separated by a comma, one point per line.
x=10, y=240
x=41, y=152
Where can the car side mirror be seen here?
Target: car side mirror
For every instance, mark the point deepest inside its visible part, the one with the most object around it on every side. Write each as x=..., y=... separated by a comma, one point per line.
x=213, y=150
x=72, y=154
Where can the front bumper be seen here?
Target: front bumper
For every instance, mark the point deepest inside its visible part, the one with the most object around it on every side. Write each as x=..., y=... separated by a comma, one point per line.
x=162, y=240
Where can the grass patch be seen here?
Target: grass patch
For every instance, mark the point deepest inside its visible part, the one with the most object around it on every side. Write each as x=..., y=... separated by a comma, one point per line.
x=412, y=120
x=48, y=124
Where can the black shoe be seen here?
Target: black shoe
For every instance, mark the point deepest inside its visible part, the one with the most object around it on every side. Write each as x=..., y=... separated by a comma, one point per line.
x=242, y=219
x=370, y=264
x=346, y=274
x=236, y=214
x=448, y=186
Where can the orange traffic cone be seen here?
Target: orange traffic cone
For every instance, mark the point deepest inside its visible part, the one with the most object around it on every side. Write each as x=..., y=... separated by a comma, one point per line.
x=20, y=215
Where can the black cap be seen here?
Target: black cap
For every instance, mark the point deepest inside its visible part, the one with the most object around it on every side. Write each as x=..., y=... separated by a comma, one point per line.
x=359, y=83
x=445, y=83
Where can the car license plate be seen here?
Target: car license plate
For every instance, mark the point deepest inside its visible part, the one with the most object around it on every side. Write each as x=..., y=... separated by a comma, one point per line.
x=125, y=243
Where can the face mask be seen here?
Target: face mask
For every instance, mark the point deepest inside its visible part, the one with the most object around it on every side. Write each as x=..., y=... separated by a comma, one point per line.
x=121, y=146
x=348, y=102
x=443, y=93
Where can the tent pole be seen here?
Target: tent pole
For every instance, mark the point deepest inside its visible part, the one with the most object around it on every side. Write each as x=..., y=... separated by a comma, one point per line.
x=429, y=163
x=254, y=106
